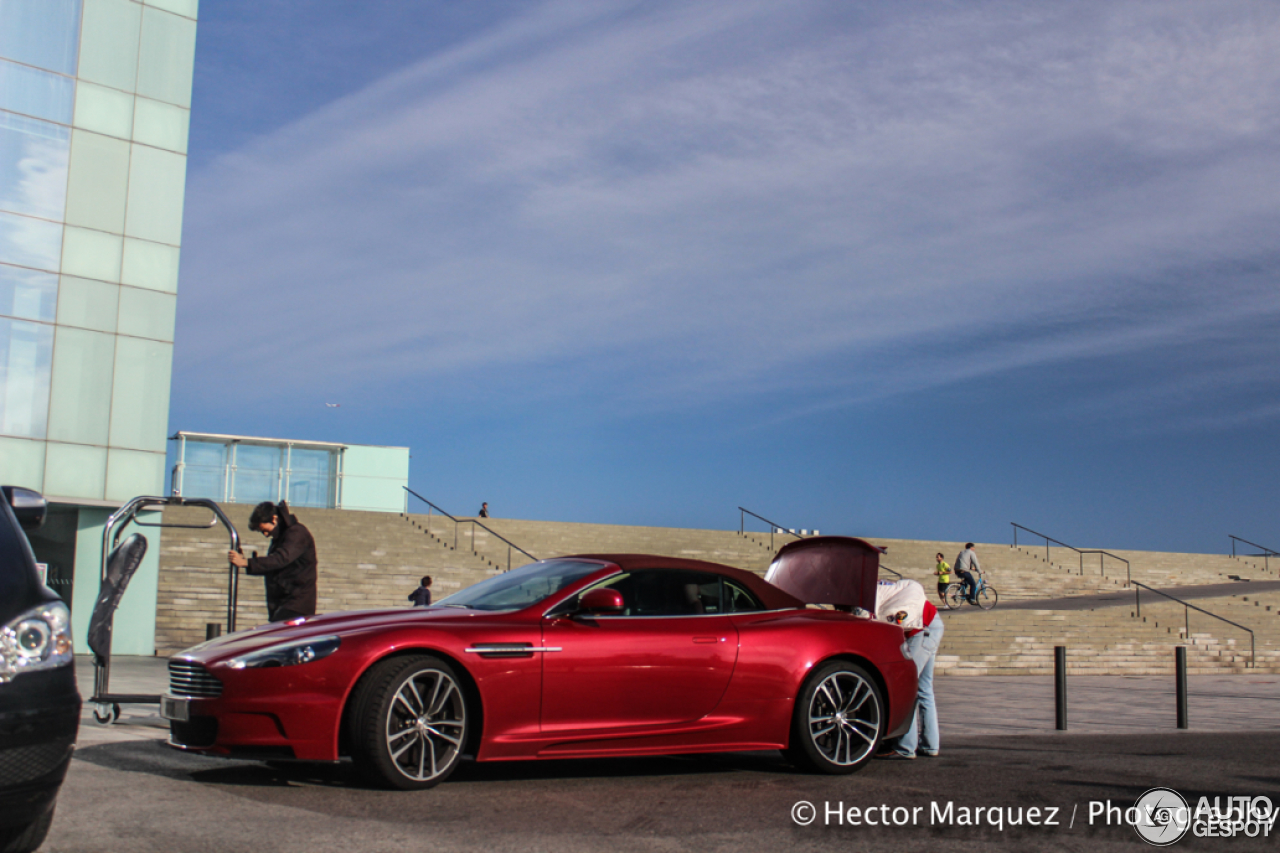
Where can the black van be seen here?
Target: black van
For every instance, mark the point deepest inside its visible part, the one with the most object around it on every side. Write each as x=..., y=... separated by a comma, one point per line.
x=39, y=702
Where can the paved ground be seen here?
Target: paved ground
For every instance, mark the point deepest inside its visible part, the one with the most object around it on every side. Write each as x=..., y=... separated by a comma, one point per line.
x=128, y=792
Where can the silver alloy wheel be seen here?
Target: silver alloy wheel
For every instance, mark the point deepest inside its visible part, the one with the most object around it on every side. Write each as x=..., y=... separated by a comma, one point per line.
x=426, y=725
x=844, y=718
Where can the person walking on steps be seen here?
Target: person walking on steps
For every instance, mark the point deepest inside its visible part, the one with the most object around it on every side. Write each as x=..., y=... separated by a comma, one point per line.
x=421, y=597
x=943, y=571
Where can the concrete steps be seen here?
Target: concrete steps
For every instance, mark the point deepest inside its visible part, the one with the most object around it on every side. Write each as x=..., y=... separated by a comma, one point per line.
x=367, y=560
x=374, y=560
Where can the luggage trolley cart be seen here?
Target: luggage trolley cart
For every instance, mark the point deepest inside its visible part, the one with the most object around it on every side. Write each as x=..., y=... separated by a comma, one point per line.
x=119, y=562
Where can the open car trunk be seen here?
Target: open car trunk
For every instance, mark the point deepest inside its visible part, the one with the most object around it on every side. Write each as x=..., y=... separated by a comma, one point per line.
x=837, y=570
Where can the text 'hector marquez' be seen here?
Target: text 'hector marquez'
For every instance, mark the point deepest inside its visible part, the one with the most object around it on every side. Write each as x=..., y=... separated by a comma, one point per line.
x=939, y=814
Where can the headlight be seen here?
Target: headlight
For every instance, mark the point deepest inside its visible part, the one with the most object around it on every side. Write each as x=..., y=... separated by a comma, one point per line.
x=38, y=639
x=288, y=654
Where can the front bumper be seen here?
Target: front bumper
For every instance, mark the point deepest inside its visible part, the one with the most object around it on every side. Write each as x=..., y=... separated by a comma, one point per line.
x=39, y=720
x=272, y=713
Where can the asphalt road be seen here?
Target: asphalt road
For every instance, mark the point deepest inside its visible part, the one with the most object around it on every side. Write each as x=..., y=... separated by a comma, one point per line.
x=127, y=791
x=135, y=794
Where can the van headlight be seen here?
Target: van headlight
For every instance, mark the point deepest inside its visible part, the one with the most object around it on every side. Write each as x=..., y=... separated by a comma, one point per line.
x=36, y=640
x=291, y=653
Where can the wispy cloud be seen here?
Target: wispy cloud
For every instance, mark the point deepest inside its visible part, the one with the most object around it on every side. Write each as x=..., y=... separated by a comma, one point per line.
x=686, y=202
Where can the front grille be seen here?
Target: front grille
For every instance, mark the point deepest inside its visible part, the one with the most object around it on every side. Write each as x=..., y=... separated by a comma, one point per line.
x=192, y=679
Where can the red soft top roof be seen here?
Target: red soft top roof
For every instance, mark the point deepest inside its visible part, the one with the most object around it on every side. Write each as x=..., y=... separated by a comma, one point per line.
x=772, y=597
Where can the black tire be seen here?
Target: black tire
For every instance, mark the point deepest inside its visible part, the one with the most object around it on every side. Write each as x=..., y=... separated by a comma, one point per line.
x=409, y=722
x=844, y=695
x=987, y=598
x=25, y=839
x=954, y=596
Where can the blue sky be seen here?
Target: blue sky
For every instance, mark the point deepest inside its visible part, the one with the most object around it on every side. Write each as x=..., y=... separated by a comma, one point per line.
x=883, y=269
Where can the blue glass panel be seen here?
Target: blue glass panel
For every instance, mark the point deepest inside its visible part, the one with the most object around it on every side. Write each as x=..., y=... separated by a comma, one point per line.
x=26, y=356
x=258, y=472
x=205, y=453
x=205, y=473
x=36, y=93
x=33, y=166
x=43, y=33
x=28, y=294
x=310, y=478
x=30, y=242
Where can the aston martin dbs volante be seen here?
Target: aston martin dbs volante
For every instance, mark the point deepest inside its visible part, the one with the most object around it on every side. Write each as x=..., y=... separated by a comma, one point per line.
x=573, y=657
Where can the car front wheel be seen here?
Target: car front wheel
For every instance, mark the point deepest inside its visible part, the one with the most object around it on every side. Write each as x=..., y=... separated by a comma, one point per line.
x=838, y=719
x=409, y=723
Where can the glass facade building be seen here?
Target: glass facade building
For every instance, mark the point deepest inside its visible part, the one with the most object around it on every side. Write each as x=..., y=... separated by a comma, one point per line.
x=94, y=105
x=95, y=99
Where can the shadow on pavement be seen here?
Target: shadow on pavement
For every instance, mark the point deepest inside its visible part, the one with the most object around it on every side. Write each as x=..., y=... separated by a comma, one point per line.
x=155, y=758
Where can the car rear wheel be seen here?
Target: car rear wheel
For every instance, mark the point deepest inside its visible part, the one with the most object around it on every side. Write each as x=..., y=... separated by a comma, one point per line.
x=838, y=719
x=409, y=722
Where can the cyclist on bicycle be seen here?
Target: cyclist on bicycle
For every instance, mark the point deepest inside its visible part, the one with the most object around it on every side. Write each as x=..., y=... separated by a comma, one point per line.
x=966, y=564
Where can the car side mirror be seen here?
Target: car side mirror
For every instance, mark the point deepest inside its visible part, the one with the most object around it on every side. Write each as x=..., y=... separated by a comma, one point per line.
x=28, y=505
x=601, y=601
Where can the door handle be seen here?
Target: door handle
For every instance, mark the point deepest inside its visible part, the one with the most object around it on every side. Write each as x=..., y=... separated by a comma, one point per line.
x=706, y=640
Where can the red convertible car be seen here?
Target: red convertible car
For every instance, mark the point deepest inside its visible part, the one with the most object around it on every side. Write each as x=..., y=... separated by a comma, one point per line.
x=573, y=657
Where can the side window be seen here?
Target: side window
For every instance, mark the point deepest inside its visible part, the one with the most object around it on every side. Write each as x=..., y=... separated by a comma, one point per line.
x=738, y=599
x=672, y=592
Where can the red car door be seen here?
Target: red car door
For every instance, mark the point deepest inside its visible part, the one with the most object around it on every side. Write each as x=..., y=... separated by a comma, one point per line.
x=652, y=665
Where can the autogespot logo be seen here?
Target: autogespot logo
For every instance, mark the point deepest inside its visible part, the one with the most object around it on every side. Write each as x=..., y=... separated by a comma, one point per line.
x=1163, y=817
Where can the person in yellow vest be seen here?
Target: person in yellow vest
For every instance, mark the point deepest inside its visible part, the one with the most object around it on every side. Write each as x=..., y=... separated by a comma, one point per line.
x=943, y=571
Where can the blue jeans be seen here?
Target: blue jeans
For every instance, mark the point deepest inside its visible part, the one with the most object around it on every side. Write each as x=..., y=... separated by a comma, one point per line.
x=970, y=585
x=924, y=649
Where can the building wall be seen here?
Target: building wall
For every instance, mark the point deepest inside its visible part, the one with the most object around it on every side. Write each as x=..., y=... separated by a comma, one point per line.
x=374, y=478
x=95, y=99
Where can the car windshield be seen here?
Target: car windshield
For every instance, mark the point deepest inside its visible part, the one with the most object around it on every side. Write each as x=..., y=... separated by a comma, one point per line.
x=521, y=587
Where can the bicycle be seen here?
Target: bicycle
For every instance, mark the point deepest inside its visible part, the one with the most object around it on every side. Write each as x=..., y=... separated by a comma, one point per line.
x=984, y=594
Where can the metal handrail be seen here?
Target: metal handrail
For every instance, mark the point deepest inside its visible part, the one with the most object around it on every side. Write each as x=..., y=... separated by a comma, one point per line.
x=1266, y=554
x=459, y=521
x=1188, y=607
x=743, y=512
x=1102, y=558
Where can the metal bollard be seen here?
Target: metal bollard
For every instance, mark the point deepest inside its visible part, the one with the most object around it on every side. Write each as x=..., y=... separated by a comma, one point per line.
x=1180, y=657
x=1060, y=686
x=212, y=630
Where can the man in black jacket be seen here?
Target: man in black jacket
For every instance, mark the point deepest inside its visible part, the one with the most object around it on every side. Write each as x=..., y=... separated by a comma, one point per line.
x=289, y=569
